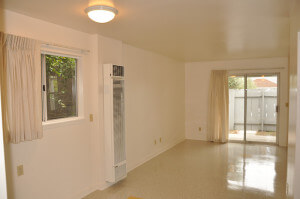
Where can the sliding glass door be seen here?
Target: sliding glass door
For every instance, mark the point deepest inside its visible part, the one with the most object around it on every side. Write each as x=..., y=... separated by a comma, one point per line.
x=236, y=107
x=253, y=107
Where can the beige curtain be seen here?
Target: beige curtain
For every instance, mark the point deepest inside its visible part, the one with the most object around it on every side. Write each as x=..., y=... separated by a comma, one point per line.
x=218, y=107
x=20, y=69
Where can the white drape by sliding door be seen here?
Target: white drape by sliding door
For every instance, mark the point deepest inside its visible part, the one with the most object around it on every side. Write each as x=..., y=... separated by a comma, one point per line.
x=20, y=69
x=218, y=107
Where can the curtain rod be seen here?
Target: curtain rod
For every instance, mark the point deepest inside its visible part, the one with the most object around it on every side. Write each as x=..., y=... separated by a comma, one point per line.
x=52, y=44
x=63, y=46
x=256, y=69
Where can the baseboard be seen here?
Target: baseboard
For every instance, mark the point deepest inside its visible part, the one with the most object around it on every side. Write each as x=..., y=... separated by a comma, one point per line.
x=83, y=193
x=106, y=185
x=196, y=138
x=149, y=157
x=199, y=139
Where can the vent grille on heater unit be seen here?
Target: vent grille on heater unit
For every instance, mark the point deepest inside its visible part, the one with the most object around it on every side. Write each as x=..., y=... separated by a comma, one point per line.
x=119, y=123
x=118, y=71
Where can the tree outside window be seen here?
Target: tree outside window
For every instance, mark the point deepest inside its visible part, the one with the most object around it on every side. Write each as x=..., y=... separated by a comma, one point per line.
x=61, y=89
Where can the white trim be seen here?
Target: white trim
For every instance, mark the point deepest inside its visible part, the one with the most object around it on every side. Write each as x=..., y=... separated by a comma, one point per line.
x=79, y=87
x=44, y=93
x=293, y=188
x=61, y=53
x=261, y=71
x=3, y=185
x=62, y=122
x=46, y=47
x=83, y=193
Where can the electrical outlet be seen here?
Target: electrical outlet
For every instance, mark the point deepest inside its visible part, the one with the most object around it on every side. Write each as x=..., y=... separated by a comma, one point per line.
x=199, y=129
x=155, y=142
x=91, y=117
x=20, y=170
x=160, y=139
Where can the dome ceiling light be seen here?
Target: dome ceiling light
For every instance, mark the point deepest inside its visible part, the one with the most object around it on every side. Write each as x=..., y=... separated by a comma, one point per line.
x=101, y=13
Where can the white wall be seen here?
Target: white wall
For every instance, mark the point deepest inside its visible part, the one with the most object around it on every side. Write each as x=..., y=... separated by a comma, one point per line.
x=69, y=161
x=59, y=165
x=293, y=174
x=109, y=51
x=197, y=76
x=3, y=186
x=154, y=103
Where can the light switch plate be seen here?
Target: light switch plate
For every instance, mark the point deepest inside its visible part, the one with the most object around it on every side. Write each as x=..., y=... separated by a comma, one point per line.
x=91, y=117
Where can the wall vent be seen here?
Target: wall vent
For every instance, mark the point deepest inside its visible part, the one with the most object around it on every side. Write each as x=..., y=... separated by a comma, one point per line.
x=118, y=71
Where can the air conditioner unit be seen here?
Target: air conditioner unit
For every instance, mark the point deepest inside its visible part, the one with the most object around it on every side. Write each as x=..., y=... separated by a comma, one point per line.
x=114, y=122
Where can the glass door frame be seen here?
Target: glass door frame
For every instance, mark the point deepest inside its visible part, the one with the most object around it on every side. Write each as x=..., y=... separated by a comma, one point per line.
x=245, y=75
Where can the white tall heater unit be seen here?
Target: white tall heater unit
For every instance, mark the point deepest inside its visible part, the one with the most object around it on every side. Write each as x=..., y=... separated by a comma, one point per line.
x=114, y=122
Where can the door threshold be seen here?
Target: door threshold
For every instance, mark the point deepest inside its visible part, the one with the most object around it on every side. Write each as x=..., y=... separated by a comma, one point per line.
x=253, y=142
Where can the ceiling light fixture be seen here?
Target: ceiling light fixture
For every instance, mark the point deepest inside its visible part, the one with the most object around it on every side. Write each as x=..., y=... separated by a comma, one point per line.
x=101, y=13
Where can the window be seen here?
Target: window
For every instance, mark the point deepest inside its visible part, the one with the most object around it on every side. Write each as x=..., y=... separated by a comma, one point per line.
x=59, y=87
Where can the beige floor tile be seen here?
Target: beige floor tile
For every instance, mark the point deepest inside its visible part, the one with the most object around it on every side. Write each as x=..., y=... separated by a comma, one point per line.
x=204, y=170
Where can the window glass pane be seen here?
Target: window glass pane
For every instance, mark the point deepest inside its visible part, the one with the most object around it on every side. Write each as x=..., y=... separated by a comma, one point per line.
x=61, y=87
x=261, y=108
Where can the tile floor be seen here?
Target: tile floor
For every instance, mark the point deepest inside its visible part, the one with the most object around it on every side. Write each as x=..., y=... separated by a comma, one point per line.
x=203, y=170
x=251, y=136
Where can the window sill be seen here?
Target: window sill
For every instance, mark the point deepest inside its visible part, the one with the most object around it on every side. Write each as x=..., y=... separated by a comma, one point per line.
x=61, y=122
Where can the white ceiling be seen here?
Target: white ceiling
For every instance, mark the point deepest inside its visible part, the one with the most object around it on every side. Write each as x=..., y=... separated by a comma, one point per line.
x=187, y=30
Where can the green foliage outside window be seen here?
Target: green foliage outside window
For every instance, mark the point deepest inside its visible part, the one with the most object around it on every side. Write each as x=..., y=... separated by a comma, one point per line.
x=61, y=86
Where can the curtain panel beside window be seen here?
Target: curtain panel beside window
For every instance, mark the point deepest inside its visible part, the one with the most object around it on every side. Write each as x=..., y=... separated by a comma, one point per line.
x=20, y=69
x=218, y=115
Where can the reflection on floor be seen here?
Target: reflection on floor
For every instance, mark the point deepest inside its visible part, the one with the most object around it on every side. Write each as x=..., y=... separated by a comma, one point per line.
x=256, y=136
x=203, y=170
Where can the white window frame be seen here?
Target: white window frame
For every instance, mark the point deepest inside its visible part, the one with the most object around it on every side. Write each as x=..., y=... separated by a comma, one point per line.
x=3, y=185
x=79, y=90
